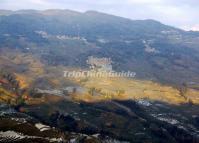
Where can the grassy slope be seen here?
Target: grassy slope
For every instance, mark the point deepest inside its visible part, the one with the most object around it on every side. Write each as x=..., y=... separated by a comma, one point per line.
x=33, y=70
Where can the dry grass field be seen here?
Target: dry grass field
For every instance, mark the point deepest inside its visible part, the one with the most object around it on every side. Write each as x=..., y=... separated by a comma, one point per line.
x=108, y=87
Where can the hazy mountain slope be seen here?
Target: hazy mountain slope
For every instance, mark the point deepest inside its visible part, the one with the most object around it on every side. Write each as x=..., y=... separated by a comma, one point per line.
x=151, y=49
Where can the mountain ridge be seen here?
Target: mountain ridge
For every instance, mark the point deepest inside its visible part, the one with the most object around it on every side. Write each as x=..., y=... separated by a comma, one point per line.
x=61, y=11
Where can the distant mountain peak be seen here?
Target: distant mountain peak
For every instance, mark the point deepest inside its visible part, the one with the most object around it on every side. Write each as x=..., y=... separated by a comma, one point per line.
x=5, y=12
x=59, y=11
